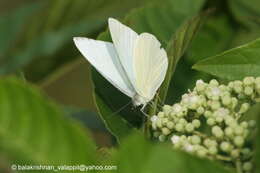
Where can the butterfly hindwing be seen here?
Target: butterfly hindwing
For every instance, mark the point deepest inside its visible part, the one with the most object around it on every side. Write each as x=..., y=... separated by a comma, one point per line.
x=150, y=65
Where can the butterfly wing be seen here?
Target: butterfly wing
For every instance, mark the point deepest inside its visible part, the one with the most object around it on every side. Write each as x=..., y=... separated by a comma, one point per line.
x=150, y=65
x=103, y=56
x=124, y=39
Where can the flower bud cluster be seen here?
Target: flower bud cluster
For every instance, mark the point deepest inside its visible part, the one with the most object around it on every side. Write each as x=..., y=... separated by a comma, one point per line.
x=218, y=109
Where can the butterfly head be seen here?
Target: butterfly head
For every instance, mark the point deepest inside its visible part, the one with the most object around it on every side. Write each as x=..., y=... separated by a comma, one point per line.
x=140, y=100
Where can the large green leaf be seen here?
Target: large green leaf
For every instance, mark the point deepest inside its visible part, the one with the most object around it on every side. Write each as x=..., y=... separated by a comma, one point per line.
x=176, y=49
x=34, y=131
x=248, y=12
x=12, y=24
x=235, y=63
x=162, y=21
x=140, y=156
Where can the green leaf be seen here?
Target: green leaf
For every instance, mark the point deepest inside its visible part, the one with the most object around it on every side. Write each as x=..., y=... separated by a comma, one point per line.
x=216, y=34
x=162, y=21
x=247, y=12
x=177, y=47
x=140, y=156
x=12, y=24
x=257, y=146
x=33, y=130
x=235, y=63
x=117, y=126
x=45, y=45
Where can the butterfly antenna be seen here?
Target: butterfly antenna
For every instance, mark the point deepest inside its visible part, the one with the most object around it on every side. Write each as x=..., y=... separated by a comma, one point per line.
x=120, y=109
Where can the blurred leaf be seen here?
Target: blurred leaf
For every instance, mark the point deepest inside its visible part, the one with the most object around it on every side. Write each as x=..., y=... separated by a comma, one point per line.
x=140, y=156
x=45, y=45
x=246, y=11
x=216, y=34
x=33, y=130
x=162, y=21
x=12, y=24
x=257, y=146
x=114, y=122
x=176, y=48
x=245, y=35
x=235, y=63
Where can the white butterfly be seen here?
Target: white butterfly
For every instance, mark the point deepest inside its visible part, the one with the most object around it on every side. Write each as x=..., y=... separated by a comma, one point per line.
x=135, y=64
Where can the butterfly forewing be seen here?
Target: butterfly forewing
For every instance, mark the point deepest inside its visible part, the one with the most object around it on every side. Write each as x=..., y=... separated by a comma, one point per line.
x=124, y=39
x=103, y=56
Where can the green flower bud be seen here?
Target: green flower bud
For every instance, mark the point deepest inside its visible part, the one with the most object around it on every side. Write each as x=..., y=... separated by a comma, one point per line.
x=235, y=153
x=207, y=114
x=244, y=124
x=248, y=90
x=231, y=84
x=195, y=139
x=246, y=151
x=170, y=125
x=202, y=152
x=179, y=127
x=229, y=132
x=217, y=131
x=211, y=121
x=182, y=121
x=213, y=150
x=165, y=131
x=230, y=120
x=215, y=105
x=164, y=121
x=159, y=123
x=252, y=123
x=225, y=146
x=234, y=102
x=249, y=80
x=226, y=100
x=167, y=109
x=175, y=139
x=239, y=130
x=247, y=166
x=189, y=127
x=244, y=108
x=219, y=119
x=200, y=110
x=257, y=80
x=196, y=123
x=239, y=141
x=162, y=138
x=189, y=148
x=213, y=83
x=238, y=87
x=200, y=85
x=161, y=114
x=156, y=134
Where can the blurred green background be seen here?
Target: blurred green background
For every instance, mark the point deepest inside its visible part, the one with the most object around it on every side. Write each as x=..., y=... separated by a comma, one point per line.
x=36, y=43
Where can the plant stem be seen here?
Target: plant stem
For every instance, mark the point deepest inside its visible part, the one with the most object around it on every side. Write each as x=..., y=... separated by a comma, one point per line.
x=238, y=166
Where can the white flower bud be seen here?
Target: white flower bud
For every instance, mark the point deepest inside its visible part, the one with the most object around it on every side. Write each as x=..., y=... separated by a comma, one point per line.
x=244, y=108
x=247, y=166
x=239, y=141
x=175, y=139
